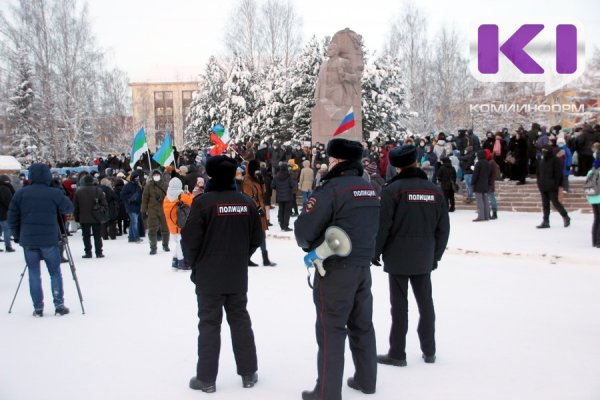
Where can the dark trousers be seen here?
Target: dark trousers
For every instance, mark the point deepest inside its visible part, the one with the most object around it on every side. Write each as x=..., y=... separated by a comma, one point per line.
x=449, y=196
x=548, y=197
x=109, y=229
x=87, y=230
x=210, y=312
x=596, y=225
x=421, y=286
x=344, y=306
x=284, y=213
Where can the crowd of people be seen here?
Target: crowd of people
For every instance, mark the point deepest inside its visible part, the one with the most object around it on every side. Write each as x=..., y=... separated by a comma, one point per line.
x=390, y=196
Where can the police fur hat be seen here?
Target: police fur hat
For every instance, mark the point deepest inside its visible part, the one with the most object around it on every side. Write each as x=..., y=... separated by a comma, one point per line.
x=221, y=168
x=345, y=149
x=402, y=157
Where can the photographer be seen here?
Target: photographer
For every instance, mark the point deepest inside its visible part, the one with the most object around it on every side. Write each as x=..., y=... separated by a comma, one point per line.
x=32, y=217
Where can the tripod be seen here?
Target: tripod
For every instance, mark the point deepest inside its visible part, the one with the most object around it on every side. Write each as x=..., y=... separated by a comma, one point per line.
x=65, y=242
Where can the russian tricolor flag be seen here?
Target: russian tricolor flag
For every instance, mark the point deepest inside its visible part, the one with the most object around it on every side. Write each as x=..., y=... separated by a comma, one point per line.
x=346, y=124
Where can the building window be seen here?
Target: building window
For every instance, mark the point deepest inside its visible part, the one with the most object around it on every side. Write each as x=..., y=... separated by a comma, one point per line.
x=163, y=115
x=186, y=102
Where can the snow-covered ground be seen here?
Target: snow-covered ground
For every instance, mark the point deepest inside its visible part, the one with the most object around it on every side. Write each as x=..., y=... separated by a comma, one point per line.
x=518, y=317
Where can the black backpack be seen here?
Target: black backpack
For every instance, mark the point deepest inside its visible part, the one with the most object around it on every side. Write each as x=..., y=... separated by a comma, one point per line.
x=183, y=211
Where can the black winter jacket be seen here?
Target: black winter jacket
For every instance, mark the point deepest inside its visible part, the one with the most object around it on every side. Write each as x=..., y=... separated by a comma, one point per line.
x=413, y=224
x=446, y=175
x=481, y=174
x=284, y=185
x=549, y=172
x=346, y=200
x=84, y=200
x=6, y=194
x=221, y=232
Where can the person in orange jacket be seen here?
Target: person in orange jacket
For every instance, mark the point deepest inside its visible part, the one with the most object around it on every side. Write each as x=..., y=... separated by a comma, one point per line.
x=174, y=195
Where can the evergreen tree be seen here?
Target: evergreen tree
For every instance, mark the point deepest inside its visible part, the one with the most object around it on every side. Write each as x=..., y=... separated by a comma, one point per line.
x=26, y=143
x=274, y=111
x=237, y=106
x=384, y=105
x=302, y=88
x=205, y=111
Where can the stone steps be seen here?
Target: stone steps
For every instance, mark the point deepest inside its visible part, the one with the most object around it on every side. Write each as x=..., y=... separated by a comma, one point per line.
x=527, y=198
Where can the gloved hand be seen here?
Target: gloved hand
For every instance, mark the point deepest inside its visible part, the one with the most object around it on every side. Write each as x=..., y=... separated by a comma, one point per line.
x=435, y=265
x=376, y=261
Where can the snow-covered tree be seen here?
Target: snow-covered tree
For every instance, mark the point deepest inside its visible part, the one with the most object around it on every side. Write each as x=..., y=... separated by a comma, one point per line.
x=384, y=105
x=303, y=84
x=237, y=108
x=205, y=110
x=26, y=143
x=68, y=71
x=274, y=113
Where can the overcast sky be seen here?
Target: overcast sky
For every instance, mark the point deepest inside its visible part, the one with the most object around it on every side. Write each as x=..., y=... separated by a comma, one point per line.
x=171, y=40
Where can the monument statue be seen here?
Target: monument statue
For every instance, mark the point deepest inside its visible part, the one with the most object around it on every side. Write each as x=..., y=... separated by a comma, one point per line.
x=338, y=89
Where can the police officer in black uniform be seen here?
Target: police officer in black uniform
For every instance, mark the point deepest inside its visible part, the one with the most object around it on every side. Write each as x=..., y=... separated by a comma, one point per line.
x=343, y=299
x=413, y=233
x=221, y=232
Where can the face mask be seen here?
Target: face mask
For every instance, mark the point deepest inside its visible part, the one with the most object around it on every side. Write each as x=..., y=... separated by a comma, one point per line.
x=595, y=155
x=156, y=178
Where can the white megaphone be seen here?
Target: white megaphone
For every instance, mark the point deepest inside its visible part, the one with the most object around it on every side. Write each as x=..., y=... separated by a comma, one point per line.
x=337, y=243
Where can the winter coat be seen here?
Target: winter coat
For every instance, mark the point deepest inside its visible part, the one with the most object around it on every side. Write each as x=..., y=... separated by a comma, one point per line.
x=461, y=142
x=222, y=231
x=6, y=194
x=584, y=142
x=517, y=145
x=267, y=177
x=295, y=174
x=466, y=162
x=256, y=191
x=549, y=173
x=84, y=200
x=113, y=201
x=131, y=195
x=121, y=212
x=566, y=158
x=532, y=137
x=33, y=213
x=440, y=149
x=592, y=199
x=170, y=210
x=284, y=186
x=494, y=172
x=346, y=200
x=307, y=177
x=475, y=143
x=413, y=224
x=446, y=175
x=481, y=174
x=152, y=198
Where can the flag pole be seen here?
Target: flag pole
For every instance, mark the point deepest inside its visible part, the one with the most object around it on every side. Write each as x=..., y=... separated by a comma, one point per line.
x=172, y=145
x=148, y=153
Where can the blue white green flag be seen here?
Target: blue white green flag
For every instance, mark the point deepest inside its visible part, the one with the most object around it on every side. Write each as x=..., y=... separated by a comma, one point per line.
x=165, y=156
x=139, y=146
